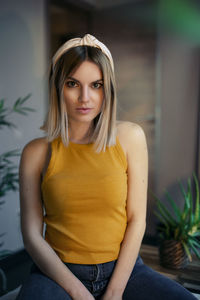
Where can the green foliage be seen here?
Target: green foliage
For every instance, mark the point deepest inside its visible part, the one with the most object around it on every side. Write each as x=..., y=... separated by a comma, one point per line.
x=8, y=170
x=183, y=225
x=17, y=108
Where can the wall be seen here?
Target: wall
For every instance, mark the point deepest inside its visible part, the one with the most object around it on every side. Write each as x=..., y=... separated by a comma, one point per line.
x=177, y=122
x=65, y=23
x=23, y=61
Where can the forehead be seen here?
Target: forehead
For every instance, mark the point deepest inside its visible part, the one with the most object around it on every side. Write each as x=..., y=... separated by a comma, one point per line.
x=87, y=71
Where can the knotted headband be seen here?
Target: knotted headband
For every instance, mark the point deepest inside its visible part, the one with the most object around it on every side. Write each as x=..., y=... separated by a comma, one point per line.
x=87, y=40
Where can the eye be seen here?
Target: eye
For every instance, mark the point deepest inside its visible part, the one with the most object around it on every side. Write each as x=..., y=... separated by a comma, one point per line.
x=97, y=85
x=71, y=84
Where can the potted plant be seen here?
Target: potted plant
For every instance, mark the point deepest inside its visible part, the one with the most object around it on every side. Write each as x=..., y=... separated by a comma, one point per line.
x=179, y=231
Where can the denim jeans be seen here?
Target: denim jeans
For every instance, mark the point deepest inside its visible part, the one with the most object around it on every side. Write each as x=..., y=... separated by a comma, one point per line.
x=143, y=284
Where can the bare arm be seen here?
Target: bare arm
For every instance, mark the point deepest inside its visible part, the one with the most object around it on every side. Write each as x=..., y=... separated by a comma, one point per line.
x=31, y=165
x=136, y=211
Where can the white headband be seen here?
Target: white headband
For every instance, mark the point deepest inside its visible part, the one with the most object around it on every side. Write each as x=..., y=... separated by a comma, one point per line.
x=87, y=40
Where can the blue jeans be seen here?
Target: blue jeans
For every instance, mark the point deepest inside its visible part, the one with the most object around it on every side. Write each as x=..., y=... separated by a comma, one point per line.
x=143, y=284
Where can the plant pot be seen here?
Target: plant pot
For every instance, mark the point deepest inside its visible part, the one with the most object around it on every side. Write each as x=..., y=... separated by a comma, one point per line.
x=172, y=254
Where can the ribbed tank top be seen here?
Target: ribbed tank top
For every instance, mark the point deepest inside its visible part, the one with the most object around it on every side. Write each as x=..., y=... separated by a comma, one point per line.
x=84, y=195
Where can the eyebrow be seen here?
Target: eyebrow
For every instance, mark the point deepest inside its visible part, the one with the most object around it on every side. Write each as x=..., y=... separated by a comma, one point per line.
x=72, y=78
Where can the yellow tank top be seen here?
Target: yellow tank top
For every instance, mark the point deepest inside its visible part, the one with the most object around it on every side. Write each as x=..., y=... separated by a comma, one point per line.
x=84, y=195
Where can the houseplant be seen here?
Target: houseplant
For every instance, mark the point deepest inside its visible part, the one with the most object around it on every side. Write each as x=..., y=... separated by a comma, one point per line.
x=8, y=170
x=179, y=231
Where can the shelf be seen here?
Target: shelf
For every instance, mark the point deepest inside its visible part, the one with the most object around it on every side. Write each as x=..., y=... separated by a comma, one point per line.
x=189, y=276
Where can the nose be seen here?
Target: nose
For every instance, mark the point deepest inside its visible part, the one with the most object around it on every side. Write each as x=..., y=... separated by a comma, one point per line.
x=84, y=94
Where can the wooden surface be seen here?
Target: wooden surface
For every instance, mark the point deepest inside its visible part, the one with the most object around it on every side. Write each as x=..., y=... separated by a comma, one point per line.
x=188, y=277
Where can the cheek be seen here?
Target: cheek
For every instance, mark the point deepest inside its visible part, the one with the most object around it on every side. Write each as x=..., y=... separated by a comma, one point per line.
x=70, y=96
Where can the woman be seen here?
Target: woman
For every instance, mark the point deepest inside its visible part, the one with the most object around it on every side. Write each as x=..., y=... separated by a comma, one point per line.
x=87, y=181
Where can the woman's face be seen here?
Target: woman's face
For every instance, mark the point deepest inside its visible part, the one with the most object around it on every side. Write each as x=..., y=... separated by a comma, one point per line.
x=84, y=93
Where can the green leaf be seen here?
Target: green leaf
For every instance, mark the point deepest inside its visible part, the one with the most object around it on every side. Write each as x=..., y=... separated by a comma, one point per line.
x=8, y=175
x=7, y=124
x=197, y=208
x=165, y=213
x=25, y=98
x=196, y=234
x=165, y=229
x=187, y=202
x=174, y=206
x=194, y=248
x=20, y=111
x=18, y=105
x=186, y=248
x=161, y=218
x=177, y=233
x=189, y=195
x=195, y=242
x=1, y=104
x=28, y=109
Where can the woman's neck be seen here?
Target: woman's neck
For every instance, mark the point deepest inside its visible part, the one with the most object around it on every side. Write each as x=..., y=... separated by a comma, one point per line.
x=81, y=135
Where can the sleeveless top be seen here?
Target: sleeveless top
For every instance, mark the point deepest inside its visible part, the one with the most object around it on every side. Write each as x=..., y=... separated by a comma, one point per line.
x=84, y=195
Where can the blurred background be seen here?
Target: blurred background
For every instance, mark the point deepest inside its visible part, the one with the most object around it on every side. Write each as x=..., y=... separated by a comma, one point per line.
x=155, y=47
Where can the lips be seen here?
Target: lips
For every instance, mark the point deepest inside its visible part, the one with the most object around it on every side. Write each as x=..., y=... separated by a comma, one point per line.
x=84, y=110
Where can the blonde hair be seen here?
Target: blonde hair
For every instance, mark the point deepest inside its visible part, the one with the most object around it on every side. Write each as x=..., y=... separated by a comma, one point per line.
x=56, y=123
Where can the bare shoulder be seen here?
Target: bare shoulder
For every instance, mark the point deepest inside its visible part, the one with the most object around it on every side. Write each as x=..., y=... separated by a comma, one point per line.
x=34, y=153
x=130, y=134
x=126, y=126
x=35, y=146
